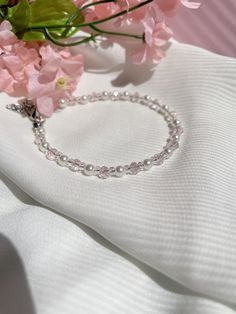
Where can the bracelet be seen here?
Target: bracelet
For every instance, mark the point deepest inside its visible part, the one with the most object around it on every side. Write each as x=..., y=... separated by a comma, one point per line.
x=28, y=108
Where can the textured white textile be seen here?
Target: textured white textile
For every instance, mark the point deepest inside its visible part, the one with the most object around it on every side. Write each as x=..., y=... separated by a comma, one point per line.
x=161, y=242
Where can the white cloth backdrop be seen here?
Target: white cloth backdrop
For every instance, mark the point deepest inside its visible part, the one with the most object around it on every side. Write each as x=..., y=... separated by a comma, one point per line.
x=161, y=242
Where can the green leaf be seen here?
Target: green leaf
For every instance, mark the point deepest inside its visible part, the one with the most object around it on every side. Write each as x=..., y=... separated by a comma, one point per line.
x=3, y=2
x=40, y=14
x=19, y=15
x=52, y=13
x=33, y=36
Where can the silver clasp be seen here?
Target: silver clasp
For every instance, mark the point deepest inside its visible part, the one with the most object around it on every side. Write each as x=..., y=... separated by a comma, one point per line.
x=30, y=110
x=27, y=108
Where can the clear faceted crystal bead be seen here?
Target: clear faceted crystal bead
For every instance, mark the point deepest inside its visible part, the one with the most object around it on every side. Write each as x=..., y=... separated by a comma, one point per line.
x=96, y=170
x=133, y=97
x=126, y=167
x=81, y=165
x=112, y=171
x=72, y=102
x=175, y=131
x=104, y=172
x=38, y=140
x=141, y=165
x=179, y=130
x=72, y=165
x=39, y=131
x=173, y=146
x=76, y=165
x=51, y=154
x=134, y=168
x=158, y=159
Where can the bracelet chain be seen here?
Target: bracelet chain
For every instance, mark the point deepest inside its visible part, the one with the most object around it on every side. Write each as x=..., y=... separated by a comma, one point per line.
x=28, y=108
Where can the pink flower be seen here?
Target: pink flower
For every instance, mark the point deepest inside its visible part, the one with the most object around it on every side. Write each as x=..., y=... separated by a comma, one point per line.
x=57, y=78
x=6, y=81
x=19, y=61
x=107, y=9
x=89, y=14
x=7, y=37
x=134, y=16
x=15, y=58
x=156, y=36
x=41, y=73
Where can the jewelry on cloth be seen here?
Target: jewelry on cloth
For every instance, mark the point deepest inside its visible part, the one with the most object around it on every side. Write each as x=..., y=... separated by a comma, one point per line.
x=28, y=108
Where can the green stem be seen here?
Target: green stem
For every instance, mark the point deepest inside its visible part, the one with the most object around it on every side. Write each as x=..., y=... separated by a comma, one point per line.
x=101, y=31
x=74, y=16
x=95, y=22
x=2, y=15
x=59, y=43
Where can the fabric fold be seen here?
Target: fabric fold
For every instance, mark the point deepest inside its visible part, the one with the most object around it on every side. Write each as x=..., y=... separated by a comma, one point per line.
x=178, y=218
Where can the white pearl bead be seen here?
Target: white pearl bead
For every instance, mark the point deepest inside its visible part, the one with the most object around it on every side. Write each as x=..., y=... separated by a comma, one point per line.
x=115, y=96
x=62, y=103
x=147, y=163
x=153, y=107
x=43, y=147
x=89, y=169
x=175, y=131
x=120, y=171
x=147, y=97
x=40, y=130
x=83, y=99
x=62, y=161
x=105, y=95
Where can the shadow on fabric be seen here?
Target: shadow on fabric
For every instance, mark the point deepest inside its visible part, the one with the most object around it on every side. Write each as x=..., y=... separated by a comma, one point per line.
x=15, y=297
x=100, y=61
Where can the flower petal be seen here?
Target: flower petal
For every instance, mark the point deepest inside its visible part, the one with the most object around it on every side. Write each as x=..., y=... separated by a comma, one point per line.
x=45, y=106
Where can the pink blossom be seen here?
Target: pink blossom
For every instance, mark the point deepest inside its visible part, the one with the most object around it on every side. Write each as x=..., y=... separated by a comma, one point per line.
x=156, y=36
x=19, y=61
x=57, y=78
x=107, y=9
x=6, y=81
x=46, y=74
x=42, y=73
x=7, y=37
x=15, y=58
x=89, y=14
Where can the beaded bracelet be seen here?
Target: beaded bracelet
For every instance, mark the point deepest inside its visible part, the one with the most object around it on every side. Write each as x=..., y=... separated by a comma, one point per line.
x=28, y=108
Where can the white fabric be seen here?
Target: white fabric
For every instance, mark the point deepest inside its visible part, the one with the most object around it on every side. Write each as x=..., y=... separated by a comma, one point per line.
x=161, y=242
